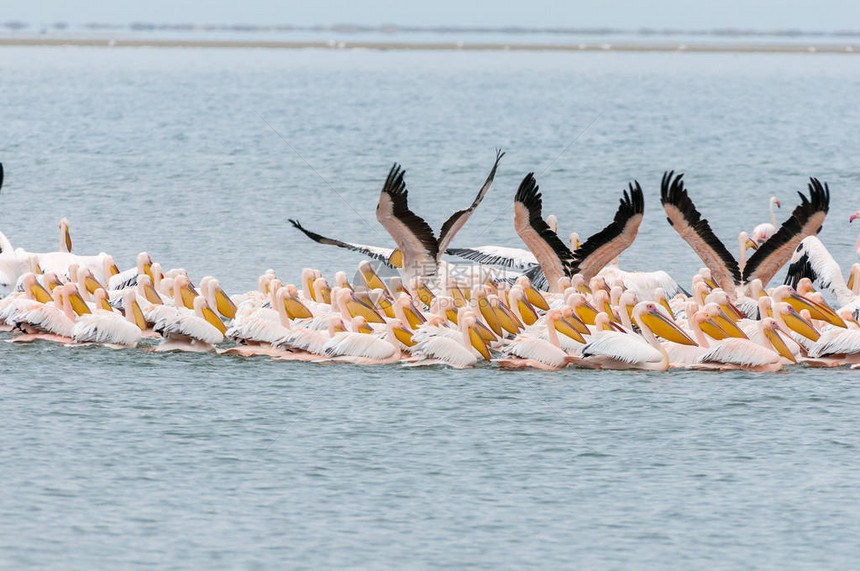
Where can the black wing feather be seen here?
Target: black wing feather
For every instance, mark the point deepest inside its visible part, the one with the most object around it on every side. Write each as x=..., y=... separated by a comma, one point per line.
x=395, y=188
x=672, y=192
x=529, y=196
x=444, y=239
x=818, y=202
x=630, y=205
x=332, y=242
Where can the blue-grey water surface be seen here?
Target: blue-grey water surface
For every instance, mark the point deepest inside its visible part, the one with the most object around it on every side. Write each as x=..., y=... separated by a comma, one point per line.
x=114, y=459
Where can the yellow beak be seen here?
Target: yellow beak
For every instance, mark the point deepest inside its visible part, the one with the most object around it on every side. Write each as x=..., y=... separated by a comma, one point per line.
x=357, y=307
x=485, y=333
x=536, y=299
x=40, y=294
x=151, y=295
x=527, y=312
x=779, y=344
x=820, y=311
x=396, y=259
x=147, y=269
x=586, y=313
x=451, y=314
x=404, y=336
x=139, y=320
x=459, y=298
x=507, y=319
x=373, y=281
x=712, y=330
x=666, y=306
x=730, y=327
x=750, y=245
x=105, y=304
x=213, y=320
x=326, y=294
x=78, y=304
x=425, y=295
x=661, y=325
x=386, y=307
x=296, y=309
x=490, y=316
x=224, y=304
x=112, y=270
x=309, y=288
x=91, y=284
x=188, y=293
x=799, y=325
x=365, y=328
x=478, y=343
x=564, y=327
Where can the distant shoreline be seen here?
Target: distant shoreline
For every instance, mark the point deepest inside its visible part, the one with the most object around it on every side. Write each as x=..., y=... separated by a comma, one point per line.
x=690, y=47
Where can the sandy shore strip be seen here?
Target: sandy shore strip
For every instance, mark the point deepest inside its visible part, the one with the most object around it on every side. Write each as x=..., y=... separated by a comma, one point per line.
x=824, y=48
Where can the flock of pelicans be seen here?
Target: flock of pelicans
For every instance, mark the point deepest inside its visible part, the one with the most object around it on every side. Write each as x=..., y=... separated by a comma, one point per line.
x=551, y=306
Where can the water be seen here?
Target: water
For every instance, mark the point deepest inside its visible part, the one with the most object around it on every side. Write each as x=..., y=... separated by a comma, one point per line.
x=127, y=458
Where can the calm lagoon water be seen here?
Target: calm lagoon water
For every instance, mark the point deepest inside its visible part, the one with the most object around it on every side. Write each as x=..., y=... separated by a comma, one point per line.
x=125, y=458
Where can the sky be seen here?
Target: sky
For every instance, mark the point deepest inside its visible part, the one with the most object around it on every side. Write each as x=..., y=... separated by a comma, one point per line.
x=822, y=15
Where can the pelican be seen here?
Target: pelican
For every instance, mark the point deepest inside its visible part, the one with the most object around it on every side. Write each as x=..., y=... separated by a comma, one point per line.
x=55, y=320
x=367, y=349
x=109, y=328
x=443, y=350
x=617, y=350
x=764, y=231
x=530, y=350
x=65, y=236
x=420, y=248
x=805, y=220
x=734, y=353
x=189, y=330
x=407, y=229
x=555, y=258
x=812, y=260
x=258, y=332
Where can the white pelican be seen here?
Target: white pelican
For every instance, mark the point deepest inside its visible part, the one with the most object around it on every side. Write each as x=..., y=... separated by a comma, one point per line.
x=408, y=229
x=812, y=260
x=530, y=350
x=367, y=349
x=734, y=353
x=764, y=231
x=617, y=350
x=443, y=350
x=259, y=331
x=55, y=320
x=805, y=220
x=189, y=330
x=421, y=250
x=109, y=328
x=128, y=278
x=555, y=258
x=65, y=236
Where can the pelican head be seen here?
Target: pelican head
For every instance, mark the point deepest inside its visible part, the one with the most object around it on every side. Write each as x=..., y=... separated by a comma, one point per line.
x=649, y=316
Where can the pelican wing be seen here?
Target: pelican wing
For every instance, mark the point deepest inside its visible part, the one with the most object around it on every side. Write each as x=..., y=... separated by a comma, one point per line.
x=625, y=347
x=607, y=244
x=545, y=244
x=696, y=231
x=806, y=220
x=459, y=218
x=515, y=258
x=374, y=252
x=413, y=235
